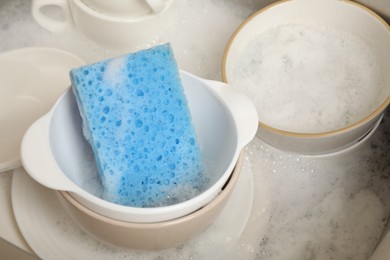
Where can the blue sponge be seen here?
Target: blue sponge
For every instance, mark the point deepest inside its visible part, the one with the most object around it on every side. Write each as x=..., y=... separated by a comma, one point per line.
x=136, y=118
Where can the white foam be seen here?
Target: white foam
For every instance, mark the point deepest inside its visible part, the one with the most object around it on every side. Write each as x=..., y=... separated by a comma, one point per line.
x=112, y=74
x=323, y=208
x=309, y=78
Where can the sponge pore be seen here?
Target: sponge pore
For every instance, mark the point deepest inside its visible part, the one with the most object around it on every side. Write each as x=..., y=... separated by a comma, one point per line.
x=137, y=120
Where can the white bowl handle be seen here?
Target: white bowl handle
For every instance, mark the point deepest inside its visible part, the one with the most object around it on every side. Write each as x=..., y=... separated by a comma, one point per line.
x=37, y=159
x=48, y=23
x=243, y=110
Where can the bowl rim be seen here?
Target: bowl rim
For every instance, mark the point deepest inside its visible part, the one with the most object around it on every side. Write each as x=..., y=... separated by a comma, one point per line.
x=376, y=112
x=226, y=192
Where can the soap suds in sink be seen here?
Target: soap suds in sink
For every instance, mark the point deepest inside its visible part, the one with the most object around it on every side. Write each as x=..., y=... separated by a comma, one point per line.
x=309, y=78
x=325, y=207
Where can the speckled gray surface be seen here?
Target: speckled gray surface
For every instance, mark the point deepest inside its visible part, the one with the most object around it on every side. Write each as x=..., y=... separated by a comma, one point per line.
x=304, y=207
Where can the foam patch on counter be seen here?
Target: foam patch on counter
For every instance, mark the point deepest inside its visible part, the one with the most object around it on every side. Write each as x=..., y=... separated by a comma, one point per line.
x=325, y=208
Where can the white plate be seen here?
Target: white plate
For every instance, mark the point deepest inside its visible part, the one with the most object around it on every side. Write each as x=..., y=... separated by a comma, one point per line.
x=52, y=235
x=31, y=79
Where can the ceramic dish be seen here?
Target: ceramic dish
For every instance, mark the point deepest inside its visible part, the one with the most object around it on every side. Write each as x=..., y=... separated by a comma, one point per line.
x=43, y=221
x=355, y=145
x=346, y=16
x=149, y=236
x=55, y=153
x=31, y=79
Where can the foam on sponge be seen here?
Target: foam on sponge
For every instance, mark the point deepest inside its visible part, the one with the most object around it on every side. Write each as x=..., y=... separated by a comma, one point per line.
x=136, y=118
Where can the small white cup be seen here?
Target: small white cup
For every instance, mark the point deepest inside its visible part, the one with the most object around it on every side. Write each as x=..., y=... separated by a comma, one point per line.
x=110, y=30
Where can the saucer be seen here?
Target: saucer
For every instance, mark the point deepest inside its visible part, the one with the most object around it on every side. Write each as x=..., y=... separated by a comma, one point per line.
x=51, y=233
x=31, y=79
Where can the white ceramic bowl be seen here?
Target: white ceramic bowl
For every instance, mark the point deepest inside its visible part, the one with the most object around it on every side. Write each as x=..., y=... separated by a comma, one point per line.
x=347, y=16
x=149, y=236
x=54, y=151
